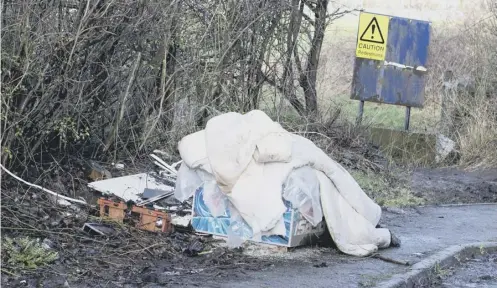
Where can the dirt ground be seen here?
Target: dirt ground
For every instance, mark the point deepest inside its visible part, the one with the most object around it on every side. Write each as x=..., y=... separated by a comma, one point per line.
x=455, y=186
x=132, y=258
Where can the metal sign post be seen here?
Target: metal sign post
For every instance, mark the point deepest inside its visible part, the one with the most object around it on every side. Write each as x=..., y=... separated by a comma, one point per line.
x=407, y=118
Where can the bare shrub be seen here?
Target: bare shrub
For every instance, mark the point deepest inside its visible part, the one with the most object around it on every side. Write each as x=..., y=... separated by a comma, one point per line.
x=112, y=79
x=471, y=104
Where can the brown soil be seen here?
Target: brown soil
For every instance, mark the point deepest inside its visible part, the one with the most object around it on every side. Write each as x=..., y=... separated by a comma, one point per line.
x=455, y=186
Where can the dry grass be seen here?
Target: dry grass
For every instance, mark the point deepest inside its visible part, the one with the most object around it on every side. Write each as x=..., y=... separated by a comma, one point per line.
x=478, y=137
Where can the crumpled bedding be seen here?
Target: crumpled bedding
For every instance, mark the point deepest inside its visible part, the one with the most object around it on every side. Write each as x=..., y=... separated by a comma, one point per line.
x=250, y=157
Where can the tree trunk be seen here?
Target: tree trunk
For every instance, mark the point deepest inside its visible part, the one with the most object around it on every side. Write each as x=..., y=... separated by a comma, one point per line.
x=308, y=80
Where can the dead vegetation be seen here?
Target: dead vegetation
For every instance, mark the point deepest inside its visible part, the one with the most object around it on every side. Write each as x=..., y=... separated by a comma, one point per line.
x=35, y=233
x=112, y=79
x=466, y=61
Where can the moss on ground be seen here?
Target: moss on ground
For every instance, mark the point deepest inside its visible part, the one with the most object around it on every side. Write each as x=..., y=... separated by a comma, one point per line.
x=386, y=188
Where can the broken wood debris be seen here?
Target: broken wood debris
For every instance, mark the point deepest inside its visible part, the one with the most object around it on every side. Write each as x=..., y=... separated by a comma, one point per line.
x=143, y=191
x=390, y=260
x=153, y=220
x=111, y=209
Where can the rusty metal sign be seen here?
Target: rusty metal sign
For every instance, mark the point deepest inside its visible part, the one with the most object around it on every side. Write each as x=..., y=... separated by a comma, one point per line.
x=399, y=79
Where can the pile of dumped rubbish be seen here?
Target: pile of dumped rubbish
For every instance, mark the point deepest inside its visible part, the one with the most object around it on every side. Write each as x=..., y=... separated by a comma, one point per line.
x=245, y=178
x=242, y=178
x=150, y=195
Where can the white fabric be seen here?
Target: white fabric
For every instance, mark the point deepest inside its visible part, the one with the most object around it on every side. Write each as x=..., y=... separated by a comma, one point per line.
x=251, y=156
x=193, y=154
x=352, y=233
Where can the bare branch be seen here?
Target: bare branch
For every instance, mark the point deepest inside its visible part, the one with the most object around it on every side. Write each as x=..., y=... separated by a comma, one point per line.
x=122, y=102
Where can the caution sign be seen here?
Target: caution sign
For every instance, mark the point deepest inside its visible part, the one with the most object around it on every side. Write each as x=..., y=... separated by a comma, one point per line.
x=372, y=36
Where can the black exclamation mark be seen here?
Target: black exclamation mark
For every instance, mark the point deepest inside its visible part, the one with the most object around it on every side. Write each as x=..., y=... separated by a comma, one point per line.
x=372, y=35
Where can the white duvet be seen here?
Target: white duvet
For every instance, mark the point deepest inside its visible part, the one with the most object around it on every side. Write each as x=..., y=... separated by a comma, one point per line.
x=251, y=156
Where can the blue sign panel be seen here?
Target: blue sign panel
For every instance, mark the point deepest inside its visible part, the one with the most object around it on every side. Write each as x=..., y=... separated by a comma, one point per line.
x=399, y=79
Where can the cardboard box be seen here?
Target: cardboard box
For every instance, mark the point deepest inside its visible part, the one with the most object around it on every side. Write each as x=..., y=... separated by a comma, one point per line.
x=299, y=231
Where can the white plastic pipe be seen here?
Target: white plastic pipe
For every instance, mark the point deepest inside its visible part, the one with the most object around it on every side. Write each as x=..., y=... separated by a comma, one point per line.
x=44, y=189
x=163, y=163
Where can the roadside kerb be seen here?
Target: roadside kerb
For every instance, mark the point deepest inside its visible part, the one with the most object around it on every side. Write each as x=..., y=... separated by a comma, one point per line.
x=422, y=272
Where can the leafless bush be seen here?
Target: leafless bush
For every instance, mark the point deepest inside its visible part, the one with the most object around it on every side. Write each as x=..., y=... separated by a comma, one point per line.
x=77, y=76
x=99, y=78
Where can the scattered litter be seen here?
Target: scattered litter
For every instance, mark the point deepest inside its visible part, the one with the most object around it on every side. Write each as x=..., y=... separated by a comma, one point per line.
x=98, y=228
x=61, y=202
x=129, y=187
x=119, y=166
x=444, y=146
x=196, y=271
x=277, y=191
x=183, y=221
x=194, y=248
x=171, y=273
x=47, y=244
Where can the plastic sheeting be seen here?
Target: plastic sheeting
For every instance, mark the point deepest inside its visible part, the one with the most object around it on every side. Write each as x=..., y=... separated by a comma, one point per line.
x=189, y=180
x=301, y=188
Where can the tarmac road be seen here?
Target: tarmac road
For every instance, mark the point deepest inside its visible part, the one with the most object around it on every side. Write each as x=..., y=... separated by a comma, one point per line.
x=423, y=231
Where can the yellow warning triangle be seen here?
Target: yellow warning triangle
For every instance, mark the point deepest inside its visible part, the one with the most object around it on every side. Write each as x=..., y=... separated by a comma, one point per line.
x=372, y=33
